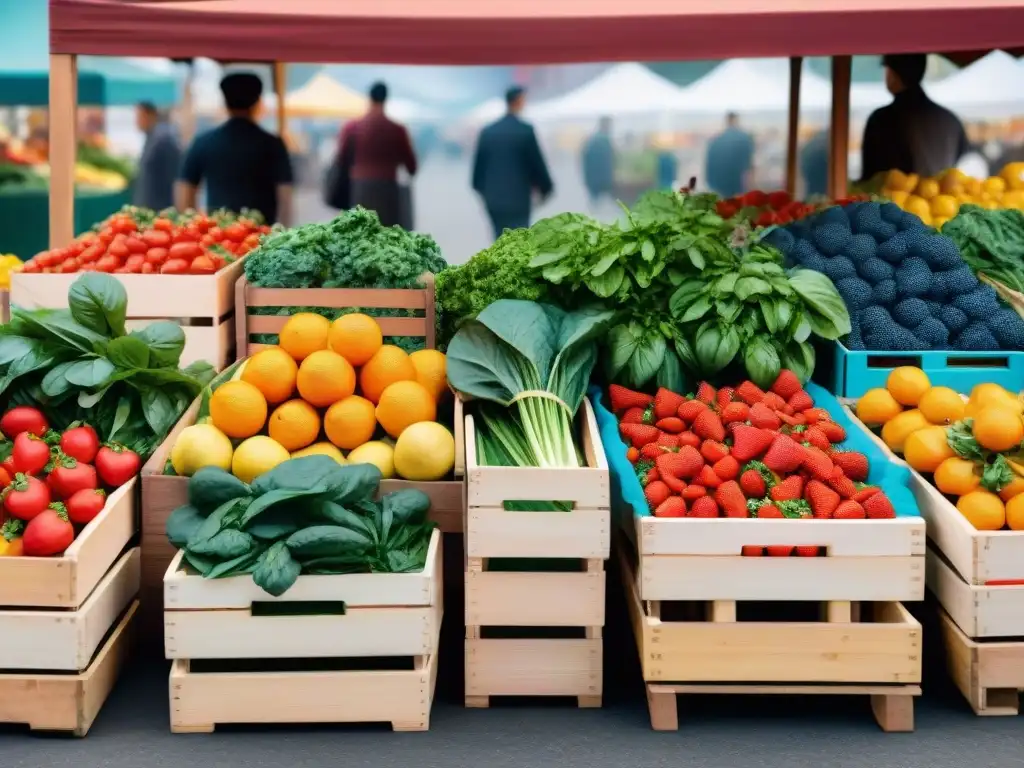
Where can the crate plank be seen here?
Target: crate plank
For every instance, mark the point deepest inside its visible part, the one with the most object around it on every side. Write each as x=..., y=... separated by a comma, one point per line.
x=988, y=674
x=533, y=667
x=535, y=599
x=980, y=611
x=494, y=532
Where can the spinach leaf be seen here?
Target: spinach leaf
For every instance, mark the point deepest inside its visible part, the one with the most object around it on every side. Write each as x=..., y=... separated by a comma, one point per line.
x=407, y=506
x=13, y=347
x=99, y=303
x=276, y=570
x=336, y=514
x=224, y=545
x=202, y=565
x=236, y=566
x=128, y=352
x=225, y=516
x=55, y=383
x=160, y=409
x=212, y=486
x=182, y=524
x=276, y=523
x=89, y=373
x=341, y=483
x=58, y=326
x=165, y=341
x=260, y=504
x=327, y=540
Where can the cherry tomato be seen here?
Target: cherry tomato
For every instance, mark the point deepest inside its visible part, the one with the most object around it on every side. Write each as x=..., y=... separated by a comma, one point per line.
x=235, y=232
x=91, y=254
x=155, y=238
x=251, y=241
x=30, y=453
x=69, y=475
x=163, y=225
x=49, y=533
x=185, y=236
x=156, y=256
x=174, y=267
x=119, y=249
x=187, y=251
x=80, y=442
x=30, y=268
x=27, y=497
x=116, y=464
x=136, y=245
x=24, y=418
x=202, y=265
x=148, y=269
x=83, y=506
x=69, y=266
x=134, y=262
x=108, y=264
x=216, y=233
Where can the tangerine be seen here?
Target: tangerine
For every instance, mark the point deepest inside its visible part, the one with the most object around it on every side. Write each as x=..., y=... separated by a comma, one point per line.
x=926, y=448
x=356, y=337
x=941, y=405
x=388, y=365
x=324, y=378
x=877, y=406
x=907, y=383
x=896, y=431
x=957, y=476
x=303, y=334
x=984, y=510
x=294, y=424
x=998, y=428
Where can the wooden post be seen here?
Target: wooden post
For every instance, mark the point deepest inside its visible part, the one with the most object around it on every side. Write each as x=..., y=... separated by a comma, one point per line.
x=280, y=86
x=187, y=108
x=63, y=119
x=793, y=138
x=839, y=129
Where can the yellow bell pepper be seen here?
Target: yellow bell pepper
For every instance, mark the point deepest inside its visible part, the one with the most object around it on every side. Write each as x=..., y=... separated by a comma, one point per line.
x=11, y=544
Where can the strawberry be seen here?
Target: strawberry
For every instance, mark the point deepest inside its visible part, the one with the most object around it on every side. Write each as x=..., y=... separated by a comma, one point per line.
x=673, y=506
x=632, y=455
x=791, y=421
x=727, y=468
x=823, y=500
x=854, y=464
x=707, y=477
x=764, y=417
x=735, y=412
x=671, y=424
x=665, y=440
x=786, y=384
x=724, y=398
x=688, y=438
x=633, y=416
x=779, y=550
x=841, y=484
x=749, y=442
x=709, y=426
x=753, y=485
x=807, y=551
x=675, y=484
x=665, y=403
x=817, y=438
x=878, y=507
x=749, y=393
x=773, y=401
x=690, y=410
x=656, y=493
x=768, y=512
x=684, y=464
x=784, y=456
x=705, y=506
x=693, y=492
x=817, y=463
x=731, y=499
x=639, y=434
x=712, y=451
x=814, y=415
x=834, y=432
x=849, y=510
x=652, y=475
x=786, y=410
x=749, y=551
x=641, y=468
x=651, y=451
x=790, y=489
x=706, y=393
x=800, y=401
x=865, y=493
x=622, y=399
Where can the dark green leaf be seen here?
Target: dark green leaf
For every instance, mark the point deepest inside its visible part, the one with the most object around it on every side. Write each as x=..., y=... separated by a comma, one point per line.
x=90, y=373
x=128, y=352
x=751, y=286
x=696, y=257
x=407, y=507
x=646, y=360
x=327, y=540
x=276, y=571
x=687, y=355
x=277, y=523
x=340, y=483
x=165, y=341
x=99, y=302
x=202, y=565
x=606, y=284
x=224, y=545
x=237, y=566
x=212, y=486
x=728, y=309
x=685, y=295
x=821, y=295
x=604, y=263
x=799, y=358
x=55, y=383
x=670, y=375
x=675, y=276
x=727, y=283
x=770, y=318
x=715, y=347
x=802, y=328
x=783, y=314
x=14, y=347
x=182, y=523
x=227, y=515
x=761, y=360
x=160, y=410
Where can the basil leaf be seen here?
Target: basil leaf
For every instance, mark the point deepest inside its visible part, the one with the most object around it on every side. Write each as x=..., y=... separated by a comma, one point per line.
x=770, y=318
x=687, y=356
x=646, y=360
x=55, y=383
x=696, y=310
x=99, y=302
x=749, y=286
x=715, y=347
x=89, y=373
x=608, y=282
x=802, y=329
x=684, y=296
x=728, y=309
x=128, y=352
x=670, y=374
x=799, y=358
x=762, y=362
x=821, y=295
x=165, y=341
x=647, y=251
x=604, y=263
x=727, y=283
x=275, y=570
x=696, y=257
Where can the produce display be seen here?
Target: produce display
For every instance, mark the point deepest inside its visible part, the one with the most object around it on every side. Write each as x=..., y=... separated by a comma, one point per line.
x=22, y=166
x=9, y=263
x=936, y=200
x=991, y=242
x=141, y=241
x=906, y=286
x=766, y=209
x=969, y=447
x=307, y=515
x=327, y=387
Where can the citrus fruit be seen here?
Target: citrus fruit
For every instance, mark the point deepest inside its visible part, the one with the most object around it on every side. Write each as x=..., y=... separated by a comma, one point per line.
x=956, y=476
x=998, y=428
x=304, y=334
x=431, y=371
x=907, y=383
x=877, y=406
x=989, y=394
x=404, y=403
x=927, y=188
x=898, y=196
x=255, y=456
x=325, y=377
x=983, y=510
x=944, y=206
x=350, y=422
x=198, y=446
x=294, y=424
x=378, y=453
x=272, y=371
x=355, y=337
x=926, y=448
x=424, y=451
x=388, y=365
x=941, y=405
x=994, y=185
x=321, y=449
x=1015, y=513
x=238, y=409
x=918, y=206
x=896, y=431
x=1013, y=488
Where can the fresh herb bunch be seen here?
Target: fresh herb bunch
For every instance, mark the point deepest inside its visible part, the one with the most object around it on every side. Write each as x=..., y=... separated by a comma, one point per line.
x=991, y=242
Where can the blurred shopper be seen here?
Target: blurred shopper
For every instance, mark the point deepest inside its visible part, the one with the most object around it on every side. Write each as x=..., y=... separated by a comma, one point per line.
x=509, y=169
x=667, y=166
x=913, y=134
x=159, y=162
x=598, y=161
x=242, y=165
x=373, y=148
x=814, y=164
x=730, y=158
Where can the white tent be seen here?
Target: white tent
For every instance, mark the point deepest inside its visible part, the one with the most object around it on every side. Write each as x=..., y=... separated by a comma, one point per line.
x=753, y=85
x=993, y=86
x=624, y=89
x=323, y=96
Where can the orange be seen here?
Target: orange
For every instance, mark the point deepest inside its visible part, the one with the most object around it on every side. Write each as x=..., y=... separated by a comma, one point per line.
x=957, y=476
x=1015, y=513
x=897, y=430
x=907, y=383
x=431, y=371
x=898, y=196
x=304, y=334
x=355, y=337
x=927, y=188
x=919, y=207
x=272, y=371
x=926, y=448
x=877, y=406
x=388, y=365
x=1013, y=488
x=294, y=424
x=984, y=395
x=998, y=428
x=325, y=377
x=403, y=404
x=983, y=510
x=941, y=405
x=944, y=206
x=238, y=409
x=350, y=422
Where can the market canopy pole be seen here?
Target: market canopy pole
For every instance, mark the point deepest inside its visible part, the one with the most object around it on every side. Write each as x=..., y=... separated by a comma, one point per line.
x=187, y=108
x=796, y=64
x=63, y=126
x=280, y=83
x=839, y=128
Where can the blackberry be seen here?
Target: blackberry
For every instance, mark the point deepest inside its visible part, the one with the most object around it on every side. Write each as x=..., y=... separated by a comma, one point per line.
x=855, y=292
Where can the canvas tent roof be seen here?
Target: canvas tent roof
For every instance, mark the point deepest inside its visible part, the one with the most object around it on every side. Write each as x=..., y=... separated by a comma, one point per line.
x=990, y=86
x=753, y=85
x=624, y=89
x=323, y=96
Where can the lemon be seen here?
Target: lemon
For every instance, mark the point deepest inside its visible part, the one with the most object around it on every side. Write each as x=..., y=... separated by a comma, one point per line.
x=255, y=456
x=375, y=452
x=321, y=449
x=198, y=446
x=424, y=451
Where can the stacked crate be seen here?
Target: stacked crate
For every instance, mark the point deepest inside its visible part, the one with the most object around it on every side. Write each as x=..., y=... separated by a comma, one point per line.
x=536, y=632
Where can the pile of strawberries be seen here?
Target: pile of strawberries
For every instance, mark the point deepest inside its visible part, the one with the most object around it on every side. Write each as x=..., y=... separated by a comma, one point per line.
x=743, y=452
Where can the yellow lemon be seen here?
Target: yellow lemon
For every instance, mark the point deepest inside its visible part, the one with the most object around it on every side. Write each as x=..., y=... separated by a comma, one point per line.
x=994, y=185
x=375, y=452
x=1013, y=198
x=945, y=206
x=898, y=196
x=321, y=449
x=1013, y=175
x=424, y=451
x=896, y=179
x=198, y=446
x=255, y=456
x=918, y=206
x=927, y=188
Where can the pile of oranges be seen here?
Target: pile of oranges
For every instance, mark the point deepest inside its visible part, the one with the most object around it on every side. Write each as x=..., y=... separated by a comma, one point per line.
x=935, y=200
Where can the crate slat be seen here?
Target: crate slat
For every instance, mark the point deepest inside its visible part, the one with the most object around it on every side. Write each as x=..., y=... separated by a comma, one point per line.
x=389, y=326
x=533, y=667
x=980, y=611
x=535, y=599
x=990, y=675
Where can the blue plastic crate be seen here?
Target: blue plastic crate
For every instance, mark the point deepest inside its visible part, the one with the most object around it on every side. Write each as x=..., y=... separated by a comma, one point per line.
x=854, y=373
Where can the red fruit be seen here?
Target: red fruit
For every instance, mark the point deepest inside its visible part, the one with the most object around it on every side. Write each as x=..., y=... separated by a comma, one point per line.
x=800, y=401
x=865, y=493
x=665, y=440
x=878, y=507
x=749, y=442
x=693, y=492
x=690, y=410
x=763, y=417
x=26, y=497
x=750, y=551
x=807, y=551
x=639, y=434
x=651, y=451
x=705, y=506
x=822, y=499
x=709, y=426
x=724, y=397
x=727, y=468
x=48, y=533
x=655, y=493
x=834, y=432
x=69, y=475
x=790, y=489
x=684, y=464
x=779, y=550
x=633, y=416
x=791, y=421
x=773, y=401
x=817, y=438
x=784, y=456
x=735, y=412
x=731, y=499
x=671, y=424
x=814, y=415
x=769, y=512
x=632, y=455
x=24, y=419
x=786, y=384
x=666, y=403
x=749, y=393
x=841, y=484
x=706, y=393
x=753, y=485
x=817, y=463
x=712, y=451
x=707, y=477
x=675, y=484
x=651, y=476
x=849, y=510
x=854, y=464
x=83, y=506
x=671, y=507
x=688, y=438
x=81, y=442
x=622, y=399
x=30, y=454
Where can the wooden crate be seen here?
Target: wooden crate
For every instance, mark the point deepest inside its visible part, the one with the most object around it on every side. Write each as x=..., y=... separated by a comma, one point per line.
x=990, y=674
x=204, y=305
x=225, y=623
x=861, y=648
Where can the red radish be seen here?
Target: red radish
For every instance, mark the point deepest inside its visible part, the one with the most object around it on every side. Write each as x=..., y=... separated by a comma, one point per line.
x=30, y=454
x=81, y=442
x=49, y=533
x=117, y=464
x=69, y=475
x=26, y=497
x=84, y=505
x=23, y=419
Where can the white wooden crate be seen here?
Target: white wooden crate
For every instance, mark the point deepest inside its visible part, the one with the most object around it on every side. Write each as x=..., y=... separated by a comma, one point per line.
x=533, y=667
x=981, y=611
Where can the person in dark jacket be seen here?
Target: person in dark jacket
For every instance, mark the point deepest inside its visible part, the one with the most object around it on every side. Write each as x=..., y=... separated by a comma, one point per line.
x=599, y=163
x=509, y=169
x=730, y=157
x=814, y=164
x=913, y=134
x=159, y=162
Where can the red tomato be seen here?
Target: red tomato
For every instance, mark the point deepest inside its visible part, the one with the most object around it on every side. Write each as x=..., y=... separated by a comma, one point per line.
x=156, y=238
x=119, y=249
x=108, y=264
x=186, y=251
x=80, y=443
x=235, y=232
x=5, y=478
x=26, y=497
x=30, y=454
x=156, y=256
x=69, y=475
x=148, y=269
x=71, y=265
x=136, y=245
x=30, y=268
x=163, y=225
x=24, y=418
x=91, y=254
x=84, y=505
x=253, y=240
x=216, y=233
x=174, y=267
x=117, y=464
x=203, y=265
x=49, y=533
x=46, y=258
x=134, y=263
